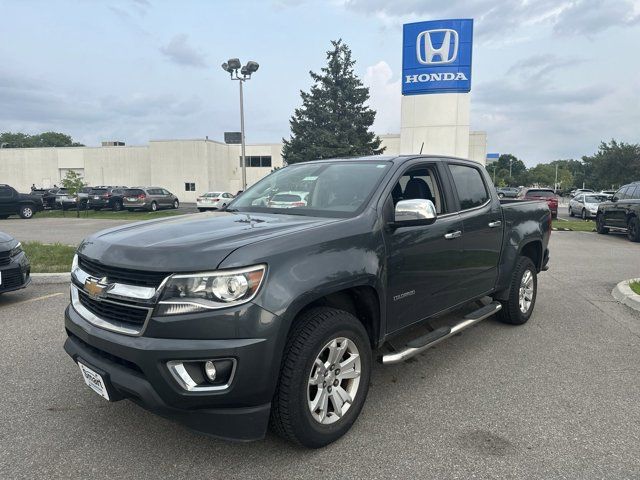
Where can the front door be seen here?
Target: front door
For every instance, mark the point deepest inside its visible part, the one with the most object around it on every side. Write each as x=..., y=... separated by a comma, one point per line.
x=424, y=261
x=7, y=203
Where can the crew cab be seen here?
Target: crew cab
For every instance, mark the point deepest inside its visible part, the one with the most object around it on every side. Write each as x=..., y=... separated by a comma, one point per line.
x=268, y=315
x=14, y=203
x=621, y=213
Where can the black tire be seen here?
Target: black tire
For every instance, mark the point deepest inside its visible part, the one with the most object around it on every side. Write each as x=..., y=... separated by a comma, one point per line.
x=26, y=212
x=633, y=229
x=291, y=416
x=501, y=195
x=117, y=206
x=201, y=209
x=600, y=228
x=511, y=312
x=153, y=207
x=176, y=205
x=584, y=214
x=570, y=212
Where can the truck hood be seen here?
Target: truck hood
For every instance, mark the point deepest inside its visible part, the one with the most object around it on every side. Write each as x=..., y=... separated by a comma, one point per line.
x=188, y=243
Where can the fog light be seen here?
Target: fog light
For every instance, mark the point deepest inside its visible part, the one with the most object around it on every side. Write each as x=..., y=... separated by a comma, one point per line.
x=210, y=370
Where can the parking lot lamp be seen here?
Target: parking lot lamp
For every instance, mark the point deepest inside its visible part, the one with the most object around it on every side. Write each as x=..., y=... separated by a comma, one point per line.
x=242, y=74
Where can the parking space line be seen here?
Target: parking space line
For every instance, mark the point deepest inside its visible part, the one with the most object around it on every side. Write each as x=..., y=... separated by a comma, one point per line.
x=44, y=297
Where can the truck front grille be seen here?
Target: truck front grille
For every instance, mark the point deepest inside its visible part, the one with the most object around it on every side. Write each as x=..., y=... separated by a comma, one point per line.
x=115, y=312
x=122, y=275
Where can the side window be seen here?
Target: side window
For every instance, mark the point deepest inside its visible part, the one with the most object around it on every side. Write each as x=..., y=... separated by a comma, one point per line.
x=419, y=182
x=634, y=193
x=6, y=192
x=623, y=193
x=470, y=186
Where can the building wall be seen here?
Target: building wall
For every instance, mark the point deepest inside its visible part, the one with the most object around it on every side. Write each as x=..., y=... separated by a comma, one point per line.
x=478, y=147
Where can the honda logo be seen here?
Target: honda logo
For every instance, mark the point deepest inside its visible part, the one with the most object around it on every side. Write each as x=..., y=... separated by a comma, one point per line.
x=447, y=52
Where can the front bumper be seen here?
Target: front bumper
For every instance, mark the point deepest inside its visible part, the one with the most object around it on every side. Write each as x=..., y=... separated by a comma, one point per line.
x=16, y=275
x=136, y=367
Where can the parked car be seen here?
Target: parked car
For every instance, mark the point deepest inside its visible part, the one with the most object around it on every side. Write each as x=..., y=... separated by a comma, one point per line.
x=580, y=190
x=585, y=205
x=507, y=192
x=608, y=193
x=546, y=194
x=83, y=196
x=288, y=200
x=213, y=200
x=15, y=270
x=106, y=197
x=64, y=200
x=47, y=195
x=280, y=324
x=621, y=213
x=14, y=203
x=149, y=198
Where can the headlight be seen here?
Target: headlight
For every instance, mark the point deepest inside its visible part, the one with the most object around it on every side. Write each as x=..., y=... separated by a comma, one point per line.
x=198, y=292
x=74, y=263
x=15, y=251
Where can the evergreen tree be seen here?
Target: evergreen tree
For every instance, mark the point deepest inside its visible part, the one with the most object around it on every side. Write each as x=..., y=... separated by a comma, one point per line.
x=333, y=121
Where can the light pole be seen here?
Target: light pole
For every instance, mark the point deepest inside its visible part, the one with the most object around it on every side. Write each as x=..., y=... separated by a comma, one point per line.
x=232, y=66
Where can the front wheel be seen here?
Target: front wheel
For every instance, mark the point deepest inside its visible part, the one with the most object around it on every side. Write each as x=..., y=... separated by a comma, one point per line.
x=176, y=204
x=584, y=214
x=117, y=206
x=26, y=212
x=324, y=378
x=570, y=212
x=517, y=309
x=600, y=228
x=633, y=229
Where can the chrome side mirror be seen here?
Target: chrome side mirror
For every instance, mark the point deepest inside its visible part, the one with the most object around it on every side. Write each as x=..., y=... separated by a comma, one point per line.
x=415, y=212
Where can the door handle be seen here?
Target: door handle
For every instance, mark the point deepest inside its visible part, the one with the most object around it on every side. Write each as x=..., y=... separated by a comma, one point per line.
x=452, y=235
x=495, y=224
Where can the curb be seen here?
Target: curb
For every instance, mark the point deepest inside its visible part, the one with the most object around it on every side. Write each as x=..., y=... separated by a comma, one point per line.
x=623, y=293
x=50, y=278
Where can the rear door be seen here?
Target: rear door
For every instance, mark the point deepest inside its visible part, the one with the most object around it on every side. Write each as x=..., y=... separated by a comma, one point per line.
x=615, y=215
x=482, y=228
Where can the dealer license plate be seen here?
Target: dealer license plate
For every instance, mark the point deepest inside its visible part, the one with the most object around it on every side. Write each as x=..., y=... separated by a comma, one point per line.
x=94, y=380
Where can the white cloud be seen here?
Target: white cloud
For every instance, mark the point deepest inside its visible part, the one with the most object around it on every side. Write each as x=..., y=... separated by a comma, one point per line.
x=384, y=94
x=180, y=51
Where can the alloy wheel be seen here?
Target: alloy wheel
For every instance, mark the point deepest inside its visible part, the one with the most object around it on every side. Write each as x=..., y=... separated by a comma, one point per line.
x=526, y=291
x=334, y=380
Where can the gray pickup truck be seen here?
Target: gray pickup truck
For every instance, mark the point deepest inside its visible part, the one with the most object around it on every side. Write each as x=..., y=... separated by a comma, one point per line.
x=272, y=314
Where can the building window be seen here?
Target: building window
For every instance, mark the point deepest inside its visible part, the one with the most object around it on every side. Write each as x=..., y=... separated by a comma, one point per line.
x=189, y=187
x=257, y=161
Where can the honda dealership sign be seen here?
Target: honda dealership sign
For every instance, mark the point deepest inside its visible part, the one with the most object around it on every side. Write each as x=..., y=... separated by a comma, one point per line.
x=436, y=57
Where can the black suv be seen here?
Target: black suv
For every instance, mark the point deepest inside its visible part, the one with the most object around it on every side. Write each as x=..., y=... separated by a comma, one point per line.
x=622, y=212
x=106, y=197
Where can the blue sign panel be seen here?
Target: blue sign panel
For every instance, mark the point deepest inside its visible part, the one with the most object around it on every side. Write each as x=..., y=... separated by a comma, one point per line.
x=436, y=56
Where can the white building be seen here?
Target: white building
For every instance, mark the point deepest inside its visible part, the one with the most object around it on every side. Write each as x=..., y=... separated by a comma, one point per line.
x=185, y=167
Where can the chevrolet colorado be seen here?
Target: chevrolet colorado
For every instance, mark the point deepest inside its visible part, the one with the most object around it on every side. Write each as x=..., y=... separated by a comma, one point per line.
x=267, y=314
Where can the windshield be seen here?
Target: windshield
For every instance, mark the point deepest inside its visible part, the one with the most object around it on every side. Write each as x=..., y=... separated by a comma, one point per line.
x=333, y=189
x=595, y=198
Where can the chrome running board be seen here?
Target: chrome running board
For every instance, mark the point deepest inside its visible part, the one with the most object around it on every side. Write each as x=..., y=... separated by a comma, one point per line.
x=421, y=344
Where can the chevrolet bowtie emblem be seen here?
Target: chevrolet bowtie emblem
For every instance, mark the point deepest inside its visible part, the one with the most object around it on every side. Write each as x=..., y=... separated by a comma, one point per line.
x=95, y=287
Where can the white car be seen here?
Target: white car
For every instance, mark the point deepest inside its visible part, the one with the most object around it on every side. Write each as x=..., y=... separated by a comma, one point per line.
x=213, y=200
x=288, y=200
x=585, y=205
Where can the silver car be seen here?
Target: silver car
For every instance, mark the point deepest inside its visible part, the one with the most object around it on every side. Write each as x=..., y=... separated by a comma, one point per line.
x=149, y=198
x=585, y=205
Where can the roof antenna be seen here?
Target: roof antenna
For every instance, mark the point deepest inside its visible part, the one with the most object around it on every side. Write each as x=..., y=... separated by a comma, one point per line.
x=421, y=148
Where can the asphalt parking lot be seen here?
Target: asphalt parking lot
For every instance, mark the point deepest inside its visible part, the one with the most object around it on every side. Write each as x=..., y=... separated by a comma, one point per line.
x=555, y=398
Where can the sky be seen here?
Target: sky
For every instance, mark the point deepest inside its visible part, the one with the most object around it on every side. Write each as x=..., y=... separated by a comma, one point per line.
x=551, y=78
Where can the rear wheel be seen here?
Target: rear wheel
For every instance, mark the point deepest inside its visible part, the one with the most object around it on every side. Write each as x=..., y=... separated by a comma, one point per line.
x=570, y=212
x=584, y=214
x=117, y=206
x=154, y=207
x=517, y=309
x=201, y=209
x=600, y=228
x=26, y=212
x=633, y=229
x=324, y=378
